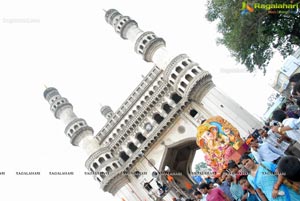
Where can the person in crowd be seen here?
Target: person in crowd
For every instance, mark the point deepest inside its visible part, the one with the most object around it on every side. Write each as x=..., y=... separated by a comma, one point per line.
x=289, y=166
x=203, y=194
x=235, y=170
x=280, y=142
x=250, y=194
x=288, y=170
x=265, y=152
x=262, y=178
x=290, y=109
x=290, y=135
x=211, y=184
x=255, y=135
x=294, y=79
x=235, y=188
x=280, y=116
x=213, y=194
x=198, y=196
x=224, y=184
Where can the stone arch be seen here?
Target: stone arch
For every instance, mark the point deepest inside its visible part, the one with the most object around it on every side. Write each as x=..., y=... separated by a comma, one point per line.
x=123, y=156
x=132, y=147
x=188, y=77
x=101, y=160
x=158, y=118
x=179, y=157
x=176, y=98
x=95, y=165
x=193, y=112
x=140, y=137
x=108, y=169
x=167, y=108
x=115, y=165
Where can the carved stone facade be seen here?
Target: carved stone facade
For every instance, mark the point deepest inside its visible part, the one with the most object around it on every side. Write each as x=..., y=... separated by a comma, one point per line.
x=156, y=126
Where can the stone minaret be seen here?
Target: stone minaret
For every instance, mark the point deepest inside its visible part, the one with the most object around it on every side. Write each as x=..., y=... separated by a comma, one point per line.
x=77, y=130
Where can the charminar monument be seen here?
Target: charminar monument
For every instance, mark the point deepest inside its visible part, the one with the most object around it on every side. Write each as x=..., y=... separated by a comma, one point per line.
x=153, y=133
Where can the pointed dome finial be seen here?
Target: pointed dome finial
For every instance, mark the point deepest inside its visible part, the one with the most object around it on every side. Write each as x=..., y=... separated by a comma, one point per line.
x=50, y=92
x=106, y=111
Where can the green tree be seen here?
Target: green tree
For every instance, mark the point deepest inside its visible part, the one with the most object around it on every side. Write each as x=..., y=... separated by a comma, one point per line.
x=252, y=38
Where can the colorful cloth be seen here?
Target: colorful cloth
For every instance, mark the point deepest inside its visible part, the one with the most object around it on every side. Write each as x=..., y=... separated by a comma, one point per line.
x=225, y=187
x=265, y=180
x=252, y=197
x=215, y=194
x=236, y=191
x=289, y=184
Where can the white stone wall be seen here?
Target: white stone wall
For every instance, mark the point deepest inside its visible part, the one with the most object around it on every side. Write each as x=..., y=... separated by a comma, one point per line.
x=130, y=193
x=216, y=103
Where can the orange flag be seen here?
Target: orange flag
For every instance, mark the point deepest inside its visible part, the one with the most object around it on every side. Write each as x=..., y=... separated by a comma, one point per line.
x=188, y=185
x=170, y=178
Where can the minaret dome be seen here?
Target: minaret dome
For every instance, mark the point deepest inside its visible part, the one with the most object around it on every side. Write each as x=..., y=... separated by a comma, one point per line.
x=106, y=111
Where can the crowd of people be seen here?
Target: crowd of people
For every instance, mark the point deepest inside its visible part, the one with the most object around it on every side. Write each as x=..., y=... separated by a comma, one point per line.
x=270, y=169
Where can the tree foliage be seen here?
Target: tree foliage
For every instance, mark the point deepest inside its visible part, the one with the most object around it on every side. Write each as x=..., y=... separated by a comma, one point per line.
x=253, y=37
